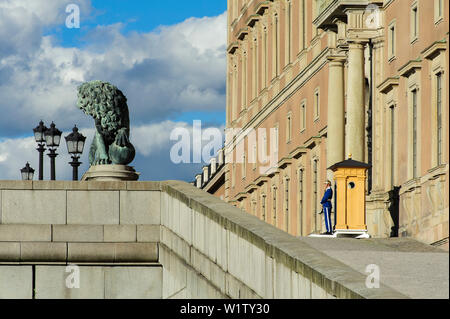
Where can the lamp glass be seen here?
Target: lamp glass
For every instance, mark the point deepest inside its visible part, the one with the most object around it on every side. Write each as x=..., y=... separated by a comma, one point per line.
x=49, y=140
x=71, y=147
x=27, y=173
x=38, y=136
x=80, y=146
x=56, y=140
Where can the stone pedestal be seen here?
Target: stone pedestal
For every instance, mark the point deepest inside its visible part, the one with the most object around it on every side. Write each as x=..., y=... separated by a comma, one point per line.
x=110, y=173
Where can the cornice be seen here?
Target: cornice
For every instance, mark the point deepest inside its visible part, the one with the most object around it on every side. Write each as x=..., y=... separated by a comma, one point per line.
x=433, y=50
x=388, y=84
x=410, y=67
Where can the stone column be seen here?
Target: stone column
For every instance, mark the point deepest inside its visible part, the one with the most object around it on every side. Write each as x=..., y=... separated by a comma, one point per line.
x=198, y=180
x=355, y=101
x=336, y=119
x=205, y=174
x=213, y=165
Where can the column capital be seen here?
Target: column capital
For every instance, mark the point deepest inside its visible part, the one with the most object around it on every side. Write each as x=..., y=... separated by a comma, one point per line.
x=356, y=44
x=336, y=58
x=378, y=42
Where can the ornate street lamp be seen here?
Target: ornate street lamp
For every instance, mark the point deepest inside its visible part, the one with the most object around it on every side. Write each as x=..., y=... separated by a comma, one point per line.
x=27, y=172
x=39, y=132
x=75, y=145
x=52, y=138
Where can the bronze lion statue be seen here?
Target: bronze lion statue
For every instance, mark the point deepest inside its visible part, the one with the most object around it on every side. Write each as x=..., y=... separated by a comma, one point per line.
x=108, y=106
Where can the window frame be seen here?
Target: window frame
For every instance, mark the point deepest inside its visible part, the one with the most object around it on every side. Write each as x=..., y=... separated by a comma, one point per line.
x=392, y=40
x=439, y=9
x=303, y=111
x=415, y=21
x=289, y=127
x=316, y=104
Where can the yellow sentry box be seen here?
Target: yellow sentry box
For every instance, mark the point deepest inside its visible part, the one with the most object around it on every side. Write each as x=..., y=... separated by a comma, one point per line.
x=350, y=177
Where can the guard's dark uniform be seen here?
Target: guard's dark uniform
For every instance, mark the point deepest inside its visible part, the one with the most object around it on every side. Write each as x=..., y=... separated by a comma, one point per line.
x=326, y=204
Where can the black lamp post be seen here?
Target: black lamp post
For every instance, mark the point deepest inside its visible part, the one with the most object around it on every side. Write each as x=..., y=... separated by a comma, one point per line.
x=39, y=132
x=75, y=145
x=27, y=172
x=52, y=139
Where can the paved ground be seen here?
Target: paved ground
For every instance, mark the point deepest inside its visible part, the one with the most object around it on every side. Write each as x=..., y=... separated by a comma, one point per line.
x=408, y=266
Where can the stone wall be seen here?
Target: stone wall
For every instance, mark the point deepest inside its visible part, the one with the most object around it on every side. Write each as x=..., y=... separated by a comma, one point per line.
x=110, y=229
x=211, y=249
x=155, y=240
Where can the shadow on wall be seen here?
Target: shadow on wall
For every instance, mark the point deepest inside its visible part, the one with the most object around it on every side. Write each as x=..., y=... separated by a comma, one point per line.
x=394, y=209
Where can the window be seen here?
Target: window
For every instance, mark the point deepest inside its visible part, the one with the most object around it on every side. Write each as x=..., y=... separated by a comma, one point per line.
x=263, y=207
x=275, y=140
x=289, y=128
x=261, y=147
x=233, y=175
x=244, y=80
x=391, y=41
x=303, y=116
x=315, y=191
x=235, y=90
x=414, y=22
x=303, y=24
x=274, y=215
x=414, y=133
x=316, y=104
x=276, y=30
x=438, y=11
x=255, y=68
x=244, y=165
x=315, y=13
x=393, y=146
x=255, y=155
x=288, y=31
x=265, y=59
x=300, y=200
x=439, y=118
x=286, y=209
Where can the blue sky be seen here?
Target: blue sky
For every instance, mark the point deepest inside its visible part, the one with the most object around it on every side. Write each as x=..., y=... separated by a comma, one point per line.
x=168, y=57
x=138, y=15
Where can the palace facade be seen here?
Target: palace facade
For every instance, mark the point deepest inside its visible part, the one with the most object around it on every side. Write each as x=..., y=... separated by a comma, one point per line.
x=310, y=82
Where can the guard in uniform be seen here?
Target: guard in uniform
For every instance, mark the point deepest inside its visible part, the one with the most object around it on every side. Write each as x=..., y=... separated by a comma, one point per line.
x=326, y=204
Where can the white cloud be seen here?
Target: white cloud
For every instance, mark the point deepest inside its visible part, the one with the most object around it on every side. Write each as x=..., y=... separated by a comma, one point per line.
x=154, y=138
x=16, y=152
x=164, y=73
x=23, y=21
x=172, y=70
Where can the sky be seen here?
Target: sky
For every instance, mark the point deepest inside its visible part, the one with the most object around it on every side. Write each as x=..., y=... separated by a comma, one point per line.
x=168, y=58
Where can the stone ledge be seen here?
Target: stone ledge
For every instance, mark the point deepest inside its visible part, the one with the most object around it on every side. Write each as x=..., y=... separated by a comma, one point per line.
x=143, y=186
x=9, y=251
x=148, y=233
x=112, y=252
x=77, y=233
x=43, y=251
x=336, y=278
x=24, y=233
x=15, y=184
x=80, y=185
x=88, y=253
x=120, y=233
